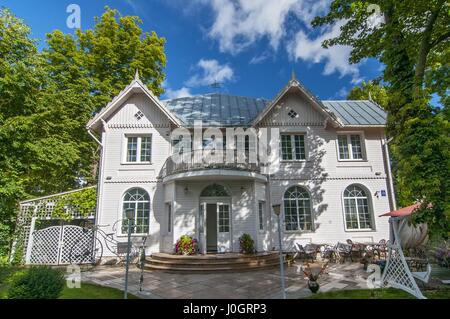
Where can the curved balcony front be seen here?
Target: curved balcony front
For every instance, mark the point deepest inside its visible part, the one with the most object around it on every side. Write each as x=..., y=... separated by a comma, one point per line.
x=210, y=165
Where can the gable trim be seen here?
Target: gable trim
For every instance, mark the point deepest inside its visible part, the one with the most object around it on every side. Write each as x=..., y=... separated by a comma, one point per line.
x=116, y=102
x=294, y=83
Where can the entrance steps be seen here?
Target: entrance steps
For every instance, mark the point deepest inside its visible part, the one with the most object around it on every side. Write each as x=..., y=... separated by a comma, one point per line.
x=227, y=262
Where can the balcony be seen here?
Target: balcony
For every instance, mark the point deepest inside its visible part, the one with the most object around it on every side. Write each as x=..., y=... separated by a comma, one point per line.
x=207, y=165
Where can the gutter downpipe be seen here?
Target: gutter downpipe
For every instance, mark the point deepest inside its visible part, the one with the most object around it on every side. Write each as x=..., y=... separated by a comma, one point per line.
x=100, y=168
x=389, y=173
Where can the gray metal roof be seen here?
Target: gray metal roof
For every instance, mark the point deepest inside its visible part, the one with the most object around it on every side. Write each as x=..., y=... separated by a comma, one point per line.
x=217, y=109
x=361, y=112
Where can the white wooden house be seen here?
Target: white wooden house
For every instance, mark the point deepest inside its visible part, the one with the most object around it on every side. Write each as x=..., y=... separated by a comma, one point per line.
x=331, y=178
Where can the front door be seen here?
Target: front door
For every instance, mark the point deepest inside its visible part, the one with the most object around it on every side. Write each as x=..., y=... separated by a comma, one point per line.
x=211, y=228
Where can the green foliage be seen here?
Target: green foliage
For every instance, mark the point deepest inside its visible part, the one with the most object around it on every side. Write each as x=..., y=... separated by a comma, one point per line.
x=186, y=245
x=247, y=245
x=370, y=90
x=416, y=67
x=36, y=283
x=47, y=98
x=83, y=202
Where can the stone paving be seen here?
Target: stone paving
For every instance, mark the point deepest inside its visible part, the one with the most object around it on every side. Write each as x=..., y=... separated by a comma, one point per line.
x=262, y=284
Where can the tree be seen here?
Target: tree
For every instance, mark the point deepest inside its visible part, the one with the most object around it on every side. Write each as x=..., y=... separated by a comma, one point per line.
x=370, y=90
x=413, y=43
x=47, y=98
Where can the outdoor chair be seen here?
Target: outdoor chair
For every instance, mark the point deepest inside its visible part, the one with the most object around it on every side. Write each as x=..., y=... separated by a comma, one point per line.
x=299, y=251
x=311, y=252
x=381, y=248
x=344, y=251
x=328, y=252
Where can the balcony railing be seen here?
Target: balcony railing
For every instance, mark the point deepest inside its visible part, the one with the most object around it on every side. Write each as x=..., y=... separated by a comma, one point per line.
x=207, y=159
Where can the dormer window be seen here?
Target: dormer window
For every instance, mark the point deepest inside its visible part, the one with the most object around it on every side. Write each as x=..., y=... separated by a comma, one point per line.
x=292, y=114
x=139, y=115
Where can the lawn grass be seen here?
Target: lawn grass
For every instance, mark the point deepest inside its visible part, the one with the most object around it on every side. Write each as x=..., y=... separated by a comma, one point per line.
x=87, y=291
x=389, y=293
x=92, y=291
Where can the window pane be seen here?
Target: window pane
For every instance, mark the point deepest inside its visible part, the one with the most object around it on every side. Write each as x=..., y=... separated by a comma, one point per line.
x=132, y=149
x=261, y=215
x=300, y=153
x=364, y=215
x=343, y=147
x=169, y=218
x=224, y=219
x=304, y=214
x=146, y=149
x=286, y=147
x=356, y=146
x=290, y=214
x=351, y=218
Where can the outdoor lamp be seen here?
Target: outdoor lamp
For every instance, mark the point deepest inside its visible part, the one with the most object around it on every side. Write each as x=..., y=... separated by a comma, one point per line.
x=129, y=213
x=277, y=210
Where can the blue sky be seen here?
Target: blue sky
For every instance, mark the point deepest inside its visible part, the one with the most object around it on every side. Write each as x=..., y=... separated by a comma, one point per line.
x=249, y=46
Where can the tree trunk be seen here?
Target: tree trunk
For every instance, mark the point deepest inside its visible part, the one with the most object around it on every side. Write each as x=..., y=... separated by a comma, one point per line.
x=425, y=46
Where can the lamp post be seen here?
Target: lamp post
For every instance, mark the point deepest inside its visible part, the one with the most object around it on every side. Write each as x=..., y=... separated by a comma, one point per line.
x=277, y=210
x=129, y=213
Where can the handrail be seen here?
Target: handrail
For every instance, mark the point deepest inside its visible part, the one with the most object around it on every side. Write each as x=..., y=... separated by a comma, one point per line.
x=208, y=159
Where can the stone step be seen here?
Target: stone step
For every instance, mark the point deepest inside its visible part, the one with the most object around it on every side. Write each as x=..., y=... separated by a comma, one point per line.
x=188, y=259
x=211, y=264
x=224, y=268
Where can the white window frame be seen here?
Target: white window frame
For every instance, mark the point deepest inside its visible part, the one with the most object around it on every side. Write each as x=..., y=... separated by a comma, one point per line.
x=261, y=215
x=311, y=212
x=138, y=150
x=350, y=148
x=369, y=206
x=119, y=231
x=292, y=135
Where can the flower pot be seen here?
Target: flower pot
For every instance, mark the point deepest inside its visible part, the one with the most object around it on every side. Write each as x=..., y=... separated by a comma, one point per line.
x=313, y=286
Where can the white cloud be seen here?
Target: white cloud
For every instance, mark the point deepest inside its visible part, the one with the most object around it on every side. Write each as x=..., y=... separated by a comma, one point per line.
x=174, y=94
x=211, y=71
x=335, y=58
x=239, y=23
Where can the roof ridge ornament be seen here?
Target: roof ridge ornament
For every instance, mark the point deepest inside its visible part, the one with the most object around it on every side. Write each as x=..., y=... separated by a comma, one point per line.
x=136, y=75
x=293, y=76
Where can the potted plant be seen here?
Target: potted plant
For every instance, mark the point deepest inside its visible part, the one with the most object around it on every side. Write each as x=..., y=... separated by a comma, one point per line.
x=186, y=245
x=247, y=244
x=313, y=273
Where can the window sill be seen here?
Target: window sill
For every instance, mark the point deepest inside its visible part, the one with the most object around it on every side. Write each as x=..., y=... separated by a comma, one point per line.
x=353, y=160
x=359, y=230
x=136, y=163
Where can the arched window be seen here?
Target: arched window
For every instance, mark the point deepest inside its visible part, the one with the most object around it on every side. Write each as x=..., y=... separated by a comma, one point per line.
x=137, y=200
x=357, y=209
x=297, y=209
x=214, y=190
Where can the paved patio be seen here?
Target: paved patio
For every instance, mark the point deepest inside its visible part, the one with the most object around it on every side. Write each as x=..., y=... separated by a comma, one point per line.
x=263, y=284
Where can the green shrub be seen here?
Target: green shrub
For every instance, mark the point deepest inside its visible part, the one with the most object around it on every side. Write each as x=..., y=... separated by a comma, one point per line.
x=247, y=244
x=36, y=283
x=186, y=245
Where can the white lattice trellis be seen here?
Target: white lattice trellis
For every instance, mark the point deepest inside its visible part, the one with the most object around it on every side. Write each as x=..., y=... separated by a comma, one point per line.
x=397, y=273
x=54, y=245
x=41, y=209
